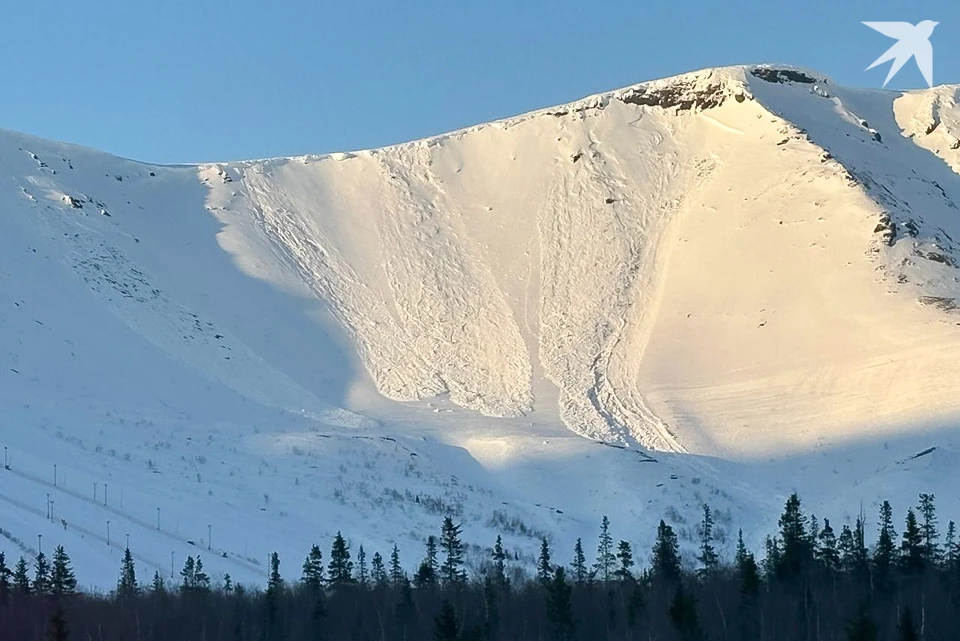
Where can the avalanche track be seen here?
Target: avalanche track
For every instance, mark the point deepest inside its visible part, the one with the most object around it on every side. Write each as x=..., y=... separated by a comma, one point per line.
x=717, y=287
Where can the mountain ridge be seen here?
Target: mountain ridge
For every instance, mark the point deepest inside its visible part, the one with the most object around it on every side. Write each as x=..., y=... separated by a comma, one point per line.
x=709, y=272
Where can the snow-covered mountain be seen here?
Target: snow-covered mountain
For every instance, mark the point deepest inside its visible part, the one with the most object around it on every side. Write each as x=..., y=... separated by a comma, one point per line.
x=718, y=287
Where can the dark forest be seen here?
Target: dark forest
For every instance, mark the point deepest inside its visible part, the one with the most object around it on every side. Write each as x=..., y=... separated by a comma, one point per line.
x=812, y=584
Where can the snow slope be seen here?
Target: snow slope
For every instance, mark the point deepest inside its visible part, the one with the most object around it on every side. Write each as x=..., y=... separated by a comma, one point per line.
x=718, y=288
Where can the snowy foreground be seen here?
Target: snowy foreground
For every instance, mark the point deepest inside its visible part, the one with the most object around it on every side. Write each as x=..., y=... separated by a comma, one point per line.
x=717, y=288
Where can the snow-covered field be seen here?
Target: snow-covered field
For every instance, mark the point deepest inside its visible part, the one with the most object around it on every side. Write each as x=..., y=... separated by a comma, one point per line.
x=717, y=288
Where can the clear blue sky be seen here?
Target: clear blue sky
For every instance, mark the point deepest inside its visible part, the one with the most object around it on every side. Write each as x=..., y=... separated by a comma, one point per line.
x=197, y=80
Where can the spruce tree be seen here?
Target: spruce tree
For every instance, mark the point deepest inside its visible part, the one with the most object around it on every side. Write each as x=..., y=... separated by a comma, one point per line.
x=579, y=566
x=911, y=547
x=227, y=583
x=5, y=575
x=559, y=608
x=272, y=596
x=127, y=583
x=928, y=530
x=159, y=586
x=363, y=575
x=311, y=576
x=847, y=550
x=885, y=552
x=452, y=569
x=827, y=554
x=188, y=575
x=41, y=574
x=499, y=563
x=603, y=567
x=21, y=579
x=666, y=554
x=378, y=572
x=274, y=580
x=709, y=561
x=340, y=569
x=62, y=579
x=861, y=556
x=771, y=560
x=625, y=557
x=397, y=577
x=951, y=553
x=795, y=549
x=747, y=569
x=200, y=578
x=544, y=568
x=427, y=573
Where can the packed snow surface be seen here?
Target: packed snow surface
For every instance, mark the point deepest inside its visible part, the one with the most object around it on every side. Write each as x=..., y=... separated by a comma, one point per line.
x=714, y=288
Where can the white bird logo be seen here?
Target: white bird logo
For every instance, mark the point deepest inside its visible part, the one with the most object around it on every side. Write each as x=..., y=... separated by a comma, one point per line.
x=912, y=42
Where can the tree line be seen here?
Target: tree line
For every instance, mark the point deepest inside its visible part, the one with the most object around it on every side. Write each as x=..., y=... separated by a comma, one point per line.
x=812, y=584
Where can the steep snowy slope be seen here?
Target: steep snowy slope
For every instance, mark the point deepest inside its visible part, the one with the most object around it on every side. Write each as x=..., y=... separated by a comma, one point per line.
x=749, y=273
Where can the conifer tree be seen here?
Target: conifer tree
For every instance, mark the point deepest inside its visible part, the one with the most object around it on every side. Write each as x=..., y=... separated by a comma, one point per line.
x=603, y=566
x=272, y=596
x=827, y=554
x=709, y=561
x=311, y=576
x=951, y=552
x=5, y=575
x=452, y=569
x=62, y=579
x=378, y=572
x=885, y=552
x=127, y=583
x=911, y=547
x=928, y=530
x=666, y=554
x=579, y=566
x=159, y=586
x=559, y=608
x=861, y=556
x=427, y=573
x=795, y=549
x=21, y=580
x=227, y=584
x=363, y=575
x=544, y=568
x=340, y=569
x=499, y=563
x=846, y=549
x=41, y=574
x=200, y=578
x=746, y=568
x=771, y=560
x=625, y=557
x=397, y=577
x=274, y=580
x=188, y=575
